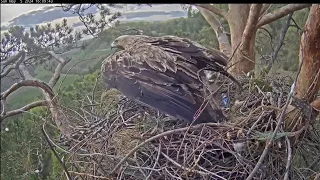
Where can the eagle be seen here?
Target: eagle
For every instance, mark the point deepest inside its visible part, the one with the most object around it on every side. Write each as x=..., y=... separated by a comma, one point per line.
x=165, y=73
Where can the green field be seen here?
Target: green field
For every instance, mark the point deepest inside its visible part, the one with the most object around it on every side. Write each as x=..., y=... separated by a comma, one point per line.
x=82, y=62
x=28, y=94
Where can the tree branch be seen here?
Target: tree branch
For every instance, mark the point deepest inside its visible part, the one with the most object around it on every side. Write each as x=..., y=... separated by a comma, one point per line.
x=50, y=99
x=264, y=9
x=308, y=83
x=281, y=42
x=277, y=14
x=12, y=63
x=7, y=70
x=215, y=24
x=62, y=62
x=251, y=24
x=213, y=9
x=16, y=86
x=275, y=131
x=55, y=56
x=24, y=109
x=15, y=63
x=12, y=59
x=33, y=83
x=58, y=115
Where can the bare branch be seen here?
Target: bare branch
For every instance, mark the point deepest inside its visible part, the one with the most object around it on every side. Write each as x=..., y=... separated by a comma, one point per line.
x=12, y=59
x=12, y=63
x=16, y=86
x=58, y=58
x=269, y=34
x=296, y=25
x=289, y=159
x=264, y=9
x=55, y=153
x=213, y=9
x=57, y=114
x=54, y=79
x=7, y=70
x=33, y=83
x=52, y=103
x=16, y=62
x=24, y=109
x=281, y=42
x=277, y=14
x=222, y=37
x=22, y=58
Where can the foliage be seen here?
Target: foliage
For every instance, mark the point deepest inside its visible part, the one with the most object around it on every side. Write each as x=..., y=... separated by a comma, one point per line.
x=23, y=147
x=267, y=40
x=94, y=25
x=38, y=39
x=20, y=144
x=22, y=52
x=76, y=92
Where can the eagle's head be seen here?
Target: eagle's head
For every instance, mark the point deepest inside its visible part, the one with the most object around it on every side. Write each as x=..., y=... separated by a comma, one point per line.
x=124, y=41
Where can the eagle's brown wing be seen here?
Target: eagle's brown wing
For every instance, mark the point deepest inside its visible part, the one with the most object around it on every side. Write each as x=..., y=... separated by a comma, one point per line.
x=200, y=56
x=213, y=54
x=166, y=81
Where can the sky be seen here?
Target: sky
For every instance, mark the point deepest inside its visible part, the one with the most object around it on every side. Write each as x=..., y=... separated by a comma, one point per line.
x=10, y=11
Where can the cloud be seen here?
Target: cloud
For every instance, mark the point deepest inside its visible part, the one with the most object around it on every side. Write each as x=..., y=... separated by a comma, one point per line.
x=10, y=11
x=30, y=15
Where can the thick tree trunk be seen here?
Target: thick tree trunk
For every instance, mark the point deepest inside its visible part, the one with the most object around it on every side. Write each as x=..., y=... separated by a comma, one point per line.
x=308, y=83
x=243, y=19
x=243, y=60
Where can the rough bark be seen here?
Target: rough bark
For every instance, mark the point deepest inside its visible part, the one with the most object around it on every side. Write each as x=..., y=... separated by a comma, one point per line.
x=308, y=82
x=238, y=16
x=270, y=17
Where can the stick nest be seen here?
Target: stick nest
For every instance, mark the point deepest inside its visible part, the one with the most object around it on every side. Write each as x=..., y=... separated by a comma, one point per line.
x=124, y=140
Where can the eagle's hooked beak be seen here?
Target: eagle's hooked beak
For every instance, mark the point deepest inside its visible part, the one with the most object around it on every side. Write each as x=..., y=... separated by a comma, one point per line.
x=113, y=45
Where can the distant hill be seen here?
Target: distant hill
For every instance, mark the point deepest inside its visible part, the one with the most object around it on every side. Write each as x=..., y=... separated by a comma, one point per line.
x=131, y=12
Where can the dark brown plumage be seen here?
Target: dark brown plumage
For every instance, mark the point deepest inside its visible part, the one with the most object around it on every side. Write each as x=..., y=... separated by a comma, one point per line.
x=163, y=72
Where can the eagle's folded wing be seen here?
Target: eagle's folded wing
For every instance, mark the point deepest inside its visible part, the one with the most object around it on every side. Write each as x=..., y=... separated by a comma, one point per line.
x=192, y=52
x=156, y=79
